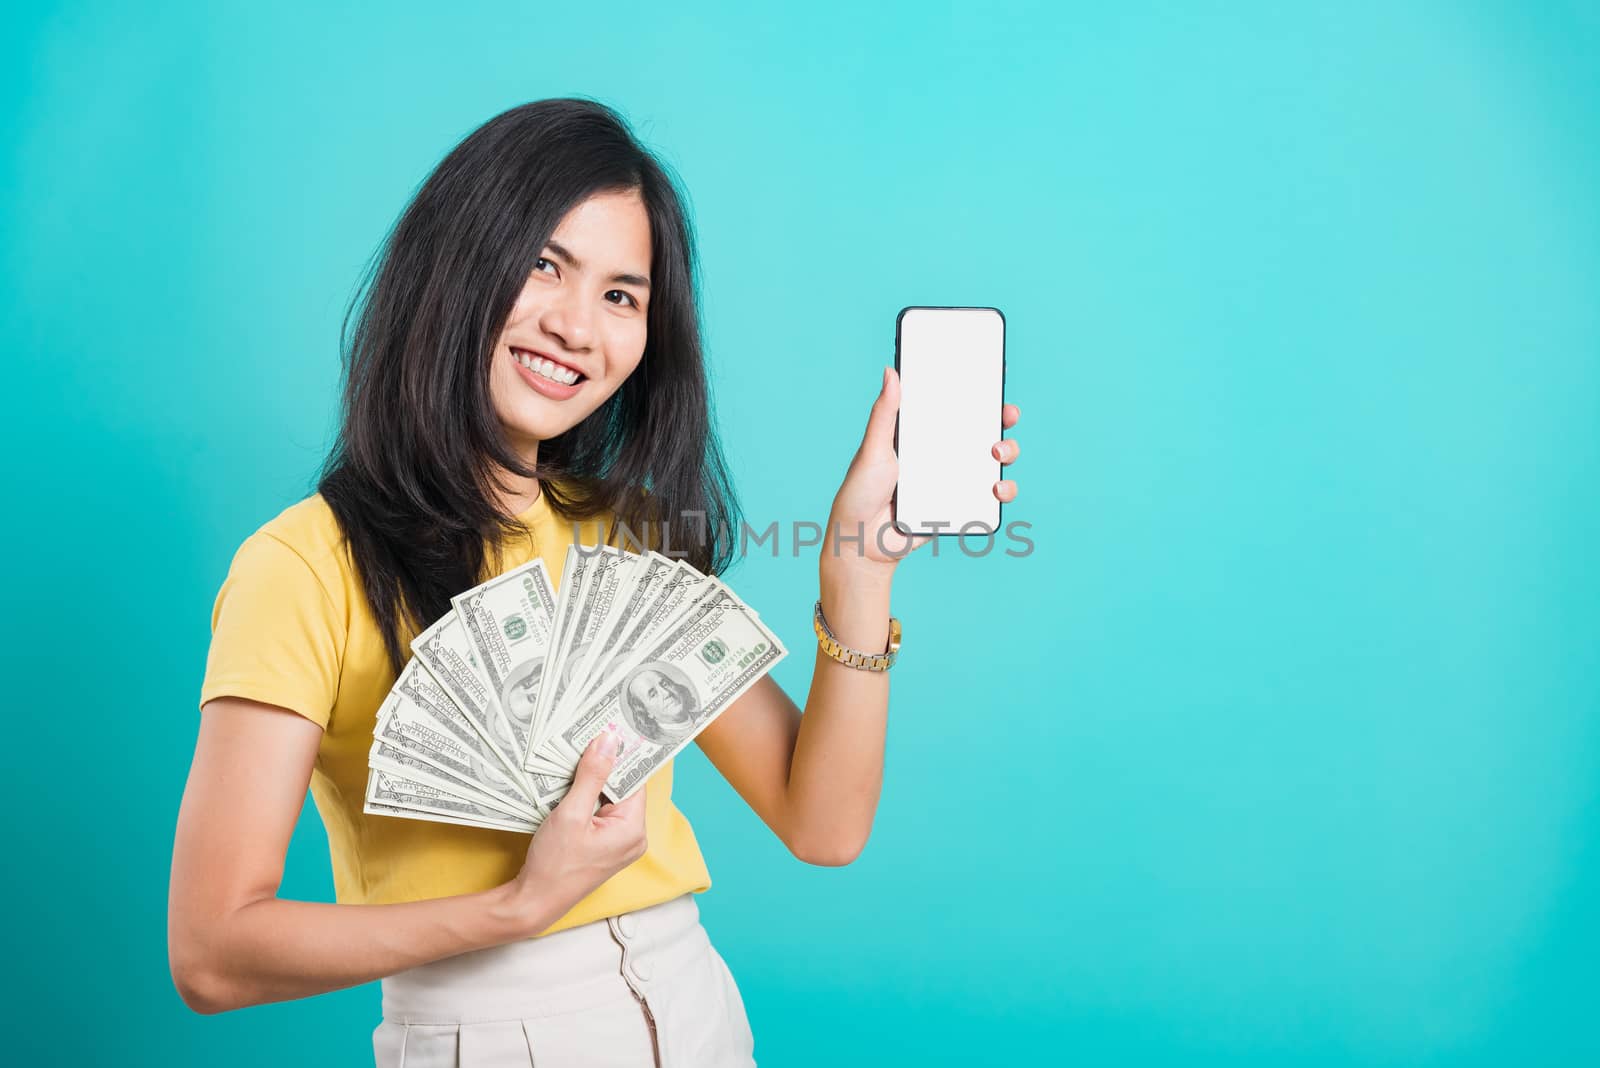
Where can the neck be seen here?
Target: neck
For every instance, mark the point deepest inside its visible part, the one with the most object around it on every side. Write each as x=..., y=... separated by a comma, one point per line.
x=523, y=497
x=518, y=494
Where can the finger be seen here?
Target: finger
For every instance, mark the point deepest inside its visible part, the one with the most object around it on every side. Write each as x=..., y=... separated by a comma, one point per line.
x=1006, y=490
x=590, y=776
x=1009, y=414
x=879, y=438
x=1006, y=451
x=629, y=813
x=623, y=807
x=632, y=808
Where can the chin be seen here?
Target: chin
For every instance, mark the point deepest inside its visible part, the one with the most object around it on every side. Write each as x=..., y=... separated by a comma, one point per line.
x=526, y=432
x=531, y=422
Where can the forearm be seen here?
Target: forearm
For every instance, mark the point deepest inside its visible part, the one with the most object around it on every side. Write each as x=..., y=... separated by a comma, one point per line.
x=276, y=950
x=836, y=774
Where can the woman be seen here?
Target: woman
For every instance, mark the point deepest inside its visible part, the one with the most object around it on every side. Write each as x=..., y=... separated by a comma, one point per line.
x=526, y=354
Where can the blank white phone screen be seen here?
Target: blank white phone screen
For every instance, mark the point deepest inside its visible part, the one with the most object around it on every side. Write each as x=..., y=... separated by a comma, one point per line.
x=952, y=372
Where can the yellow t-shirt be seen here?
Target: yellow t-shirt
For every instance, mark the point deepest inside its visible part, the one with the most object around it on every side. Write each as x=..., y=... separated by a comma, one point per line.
x=292, y=627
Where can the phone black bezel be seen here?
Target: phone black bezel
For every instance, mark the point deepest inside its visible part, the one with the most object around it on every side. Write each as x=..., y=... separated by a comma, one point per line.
x=894, y=499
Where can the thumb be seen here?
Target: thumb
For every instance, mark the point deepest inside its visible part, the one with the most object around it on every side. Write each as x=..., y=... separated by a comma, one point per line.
x=590, y=776
x=879, y=438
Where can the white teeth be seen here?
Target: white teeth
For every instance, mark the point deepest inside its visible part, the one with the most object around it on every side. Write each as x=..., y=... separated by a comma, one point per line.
x=546, y=368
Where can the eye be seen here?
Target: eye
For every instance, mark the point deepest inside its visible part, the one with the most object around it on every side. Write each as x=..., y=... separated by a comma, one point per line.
x=544, y=262
x=626, y=296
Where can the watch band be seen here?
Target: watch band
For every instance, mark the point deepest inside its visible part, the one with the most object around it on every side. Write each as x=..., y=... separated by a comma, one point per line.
x=854, y=657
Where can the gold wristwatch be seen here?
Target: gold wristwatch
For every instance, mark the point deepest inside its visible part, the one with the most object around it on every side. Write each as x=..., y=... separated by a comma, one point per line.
x=851, y=657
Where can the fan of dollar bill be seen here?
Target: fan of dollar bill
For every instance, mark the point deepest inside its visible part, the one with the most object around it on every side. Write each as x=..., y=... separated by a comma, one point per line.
x=485, y=724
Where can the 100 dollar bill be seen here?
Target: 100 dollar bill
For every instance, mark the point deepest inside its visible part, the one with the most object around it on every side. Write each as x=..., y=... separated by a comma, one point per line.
x=677, y=684
x=604, y=575
x=391, y=794
x=508, y=621
x=445, y=650
x=418, y=719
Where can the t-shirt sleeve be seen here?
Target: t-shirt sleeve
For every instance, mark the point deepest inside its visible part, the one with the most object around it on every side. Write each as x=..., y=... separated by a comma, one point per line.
x=276, y=635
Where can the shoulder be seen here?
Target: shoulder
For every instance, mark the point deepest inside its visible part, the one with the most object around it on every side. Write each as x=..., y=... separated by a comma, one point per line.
x=306, y=535
x=308, y=525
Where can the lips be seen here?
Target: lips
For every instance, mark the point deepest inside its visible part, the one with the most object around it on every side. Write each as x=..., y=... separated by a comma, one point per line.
x=546, y=377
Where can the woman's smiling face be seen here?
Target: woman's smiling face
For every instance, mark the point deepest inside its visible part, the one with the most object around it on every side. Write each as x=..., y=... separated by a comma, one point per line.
x=581, y=315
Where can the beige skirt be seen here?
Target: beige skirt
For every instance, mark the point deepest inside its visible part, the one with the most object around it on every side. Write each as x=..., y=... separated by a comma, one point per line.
x=642, y=989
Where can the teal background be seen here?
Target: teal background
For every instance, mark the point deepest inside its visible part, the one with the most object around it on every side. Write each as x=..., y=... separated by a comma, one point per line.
x=1282, y=746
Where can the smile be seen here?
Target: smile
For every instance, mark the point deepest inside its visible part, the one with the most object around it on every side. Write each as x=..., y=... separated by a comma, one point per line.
x=549, y=378
x=547, y=368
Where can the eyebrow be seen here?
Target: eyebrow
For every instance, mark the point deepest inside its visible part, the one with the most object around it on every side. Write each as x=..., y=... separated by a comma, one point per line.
x=565, y=253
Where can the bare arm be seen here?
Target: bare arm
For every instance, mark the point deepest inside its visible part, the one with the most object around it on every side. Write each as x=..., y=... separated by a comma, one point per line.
x=232, y=942
x=815, y=779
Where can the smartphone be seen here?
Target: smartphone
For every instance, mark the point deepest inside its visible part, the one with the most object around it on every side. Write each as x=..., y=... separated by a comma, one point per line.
x=952, y=366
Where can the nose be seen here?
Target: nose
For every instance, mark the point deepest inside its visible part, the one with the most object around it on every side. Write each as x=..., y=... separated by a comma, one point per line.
x=568, y=320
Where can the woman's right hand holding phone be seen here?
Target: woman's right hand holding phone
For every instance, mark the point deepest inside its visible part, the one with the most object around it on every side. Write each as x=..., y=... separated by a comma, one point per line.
x=578, y=847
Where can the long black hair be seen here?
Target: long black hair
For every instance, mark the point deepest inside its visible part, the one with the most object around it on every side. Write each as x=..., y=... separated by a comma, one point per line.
x=410, y=477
